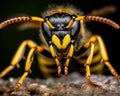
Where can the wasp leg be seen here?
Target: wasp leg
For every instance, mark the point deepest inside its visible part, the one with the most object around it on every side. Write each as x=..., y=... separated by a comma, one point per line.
x=105, y=57
x=54, y=55
x=69, y=55
x=87, y=65
x=103, y=54
x=19, y=55
x=27, y=67
x=90, y=44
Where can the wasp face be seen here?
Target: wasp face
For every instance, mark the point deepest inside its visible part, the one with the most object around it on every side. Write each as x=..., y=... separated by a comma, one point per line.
x=60, y=36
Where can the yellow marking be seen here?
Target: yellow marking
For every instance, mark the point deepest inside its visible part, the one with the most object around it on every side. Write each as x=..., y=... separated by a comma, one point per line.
x=92, y=39
x=43, y=60
x=47, y=69
x=37, y=19
x=56, y=41
x=76, y=19
x=66, y=41
x=49, y=24
x=61, y=45
x=70, y=23
x=42, y=20
x=97, y=69
x=96, y=58
x=44, y=63
x=80, y=18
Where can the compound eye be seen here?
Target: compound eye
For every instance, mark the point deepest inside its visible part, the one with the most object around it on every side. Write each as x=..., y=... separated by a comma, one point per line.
x=75, y=28
x=46, y=29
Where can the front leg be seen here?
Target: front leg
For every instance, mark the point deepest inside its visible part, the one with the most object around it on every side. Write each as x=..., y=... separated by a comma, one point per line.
x=54, y=55
x=19, y=55
x=27, y=67
x=27, y=70
x=69, y=55
x=90, y=44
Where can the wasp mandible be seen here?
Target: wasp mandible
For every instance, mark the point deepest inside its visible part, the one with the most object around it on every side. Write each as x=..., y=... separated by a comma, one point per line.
x=64, y=40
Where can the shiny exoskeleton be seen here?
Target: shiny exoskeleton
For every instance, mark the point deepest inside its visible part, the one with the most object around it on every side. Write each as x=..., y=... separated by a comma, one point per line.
x=65, y=41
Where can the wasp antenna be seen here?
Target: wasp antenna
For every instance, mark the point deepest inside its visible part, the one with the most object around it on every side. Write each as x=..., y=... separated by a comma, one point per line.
x=13, y=20
x=103, y=20
x=70, y=23
x=75, y=19
x=49, y=24
x=20, y=19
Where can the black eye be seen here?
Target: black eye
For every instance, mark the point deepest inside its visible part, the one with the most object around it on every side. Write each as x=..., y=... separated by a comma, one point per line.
x=46, y=32
x=46, y=29
x=75, y=28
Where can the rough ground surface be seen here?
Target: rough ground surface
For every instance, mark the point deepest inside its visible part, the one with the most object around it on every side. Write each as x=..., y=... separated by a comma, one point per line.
x=72, y=85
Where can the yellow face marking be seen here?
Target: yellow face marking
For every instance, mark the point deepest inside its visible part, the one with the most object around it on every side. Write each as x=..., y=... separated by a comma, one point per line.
x=56, y=41
x=66, y=41
x=61, y=45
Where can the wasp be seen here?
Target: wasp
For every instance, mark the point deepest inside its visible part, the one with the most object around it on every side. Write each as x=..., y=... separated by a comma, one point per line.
x=65, y=41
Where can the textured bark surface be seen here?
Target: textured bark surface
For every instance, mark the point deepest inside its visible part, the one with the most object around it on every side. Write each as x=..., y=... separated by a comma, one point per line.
x=72, y=85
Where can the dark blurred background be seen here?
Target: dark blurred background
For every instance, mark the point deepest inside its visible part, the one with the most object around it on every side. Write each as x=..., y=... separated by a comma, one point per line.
x=11, y=38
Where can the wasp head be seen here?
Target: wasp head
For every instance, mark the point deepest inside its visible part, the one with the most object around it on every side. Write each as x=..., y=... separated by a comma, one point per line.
x=60, y=36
